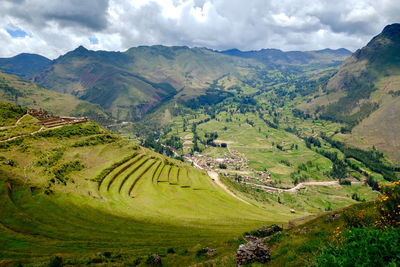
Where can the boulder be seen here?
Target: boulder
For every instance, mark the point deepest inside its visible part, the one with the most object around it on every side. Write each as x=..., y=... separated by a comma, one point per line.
x=253, y=251
x=331, y=218
x=154, y=260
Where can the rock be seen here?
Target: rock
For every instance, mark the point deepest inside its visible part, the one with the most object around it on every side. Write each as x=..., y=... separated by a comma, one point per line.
x=154, y=260
x=253, y=251
x=331, y=218
x=211, y=252
x=292, y=211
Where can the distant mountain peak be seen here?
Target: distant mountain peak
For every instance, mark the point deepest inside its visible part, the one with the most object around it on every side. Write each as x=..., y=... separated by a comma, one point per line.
x=392, y=30
x=81, y=48
x=24, y=64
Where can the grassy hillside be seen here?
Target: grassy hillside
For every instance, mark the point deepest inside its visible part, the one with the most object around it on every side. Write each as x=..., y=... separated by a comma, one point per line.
x=364, y=94
x=77, y=190
x=26, y=94
x=363, y=234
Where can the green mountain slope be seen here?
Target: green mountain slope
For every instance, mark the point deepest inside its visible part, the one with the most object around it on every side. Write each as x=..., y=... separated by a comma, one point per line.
x=81, y=192
x=77, y=190
x=24, y=65
x=131, y=83
x=365, y=94
x=18, y=92
x=276, y=56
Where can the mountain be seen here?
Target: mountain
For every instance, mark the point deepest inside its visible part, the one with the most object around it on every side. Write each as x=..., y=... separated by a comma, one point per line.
x=131, y=83
x=276, y=56
x=27, y=94
x=364, y=93
x=24, y=65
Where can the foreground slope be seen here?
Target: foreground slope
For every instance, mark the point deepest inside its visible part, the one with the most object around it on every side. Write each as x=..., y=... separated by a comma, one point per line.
x=76, y=190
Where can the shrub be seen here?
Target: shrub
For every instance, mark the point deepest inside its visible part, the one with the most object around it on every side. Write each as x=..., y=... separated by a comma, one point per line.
x=344, y=182
x=137, y=261
x=388, y=205
x=56, y=262
x=81, y=129
x=265, y=231
x=61, y=172
x=171, y=251
x=222, y=166
x=96, y=140
x=363, y=247
x=201, y=252
x=107, y=254
x=355, y=197
x=360, y=216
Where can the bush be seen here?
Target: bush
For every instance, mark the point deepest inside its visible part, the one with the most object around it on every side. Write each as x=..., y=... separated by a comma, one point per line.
x=56, y=262
x=344, y=182
x=171, y=251
x=96, y=140
x=360, y=216
x=222, y=166
x=265, y=231
x=201, y=252
x=80, y=129
x=388, y=205
x=363, y=247
x=61, y=172
x=107, y=254
x=356, y=197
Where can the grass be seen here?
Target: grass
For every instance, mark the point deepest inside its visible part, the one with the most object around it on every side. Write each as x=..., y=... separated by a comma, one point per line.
x=116, y=203
x=30, y=95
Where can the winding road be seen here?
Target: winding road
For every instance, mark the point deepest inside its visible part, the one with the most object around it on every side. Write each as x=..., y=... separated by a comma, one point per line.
x=214, y=175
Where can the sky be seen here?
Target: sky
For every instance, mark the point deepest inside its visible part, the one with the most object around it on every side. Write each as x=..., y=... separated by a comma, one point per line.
x=52, y=28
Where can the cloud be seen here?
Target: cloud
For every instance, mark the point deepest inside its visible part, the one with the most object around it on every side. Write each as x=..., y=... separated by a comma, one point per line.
x=55, y=27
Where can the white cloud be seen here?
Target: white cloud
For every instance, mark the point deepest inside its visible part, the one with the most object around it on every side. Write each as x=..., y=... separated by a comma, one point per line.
x=58, y=26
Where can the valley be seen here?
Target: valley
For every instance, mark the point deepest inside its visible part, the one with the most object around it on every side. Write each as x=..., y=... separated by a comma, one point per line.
x=111, y=158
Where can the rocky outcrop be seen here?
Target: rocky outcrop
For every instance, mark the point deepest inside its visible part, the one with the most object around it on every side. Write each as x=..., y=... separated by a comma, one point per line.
x=253, y=251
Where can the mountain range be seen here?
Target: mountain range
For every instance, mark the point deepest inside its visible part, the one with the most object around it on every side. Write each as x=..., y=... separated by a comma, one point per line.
x=131, y=83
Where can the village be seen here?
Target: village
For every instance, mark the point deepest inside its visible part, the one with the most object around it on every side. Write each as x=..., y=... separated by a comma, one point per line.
x=232, y=165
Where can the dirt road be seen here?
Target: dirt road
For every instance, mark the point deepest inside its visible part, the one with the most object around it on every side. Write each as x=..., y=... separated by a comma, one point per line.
x=215, y=176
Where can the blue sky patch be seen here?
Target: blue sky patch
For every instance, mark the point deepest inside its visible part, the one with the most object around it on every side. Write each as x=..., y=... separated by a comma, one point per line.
x=93, y=40
x=16, y=33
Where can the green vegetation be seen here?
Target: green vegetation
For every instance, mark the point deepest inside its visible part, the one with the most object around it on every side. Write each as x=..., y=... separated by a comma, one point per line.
x=73, y=201
x=80, y=195
x=29, y=95
x=9, y=114
x=363, y=246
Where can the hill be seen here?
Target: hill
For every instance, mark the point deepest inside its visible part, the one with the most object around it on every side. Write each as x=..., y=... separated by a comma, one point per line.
x=87, y=195
x=365, y=94
x=276, y=56
x=26, y=94
x=132, y=83
x=24, y=65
